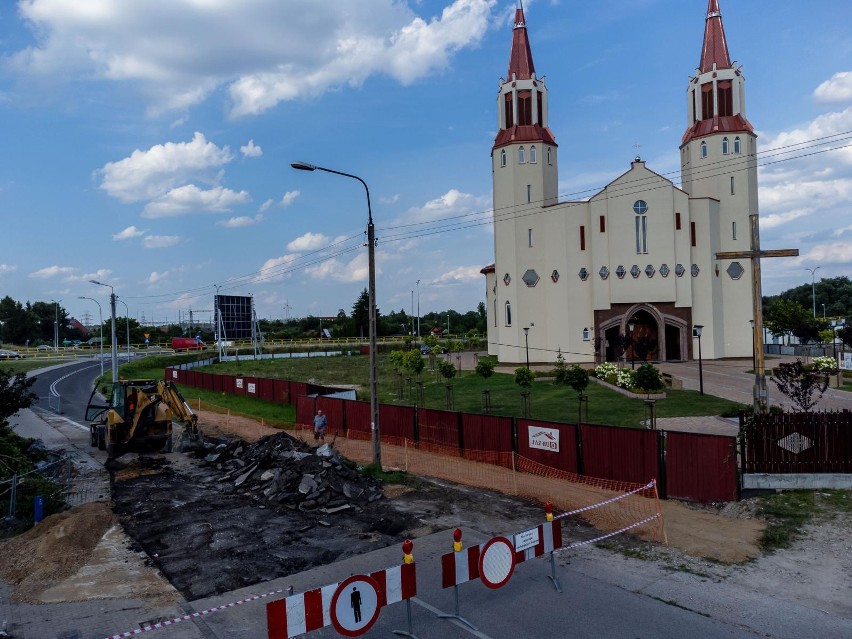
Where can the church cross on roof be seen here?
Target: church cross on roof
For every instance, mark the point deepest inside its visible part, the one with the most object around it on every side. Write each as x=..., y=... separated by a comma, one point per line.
x=715, y=48
x=520, y=60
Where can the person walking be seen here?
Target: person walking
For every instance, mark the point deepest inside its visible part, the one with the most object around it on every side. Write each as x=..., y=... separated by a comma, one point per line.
x=320, y=423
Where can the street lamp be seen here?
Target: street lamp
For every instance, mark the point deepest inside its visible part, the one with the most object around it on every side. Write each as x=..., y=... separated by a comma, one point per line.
x=371, y=258
x=813, y=285
x=418, y=310
x=823, y=311
x=101, y=317
x=114, y=346
x=697, y=328
x=527, y=343
x=630, y=326
x=127, y=324
x=56, y=325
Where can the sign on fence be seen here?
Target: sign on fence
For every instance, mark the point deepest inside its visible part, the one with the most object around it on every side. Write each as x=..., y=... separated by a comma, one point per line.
x=544, y=438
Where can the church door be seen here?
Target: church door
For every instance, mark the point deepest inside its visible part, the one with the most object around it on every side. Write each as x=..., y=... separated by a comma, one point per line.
x=644, y=339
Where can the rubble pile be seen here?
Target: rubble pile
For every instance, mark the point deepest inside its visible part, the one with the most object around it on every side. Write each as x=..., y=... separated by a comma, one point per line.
x=282, y=470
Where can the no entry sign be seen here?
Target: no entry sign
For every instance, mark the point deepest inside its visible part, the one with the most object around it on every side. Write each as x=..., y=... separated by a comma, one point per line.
x=355, y=605
x=497, y=562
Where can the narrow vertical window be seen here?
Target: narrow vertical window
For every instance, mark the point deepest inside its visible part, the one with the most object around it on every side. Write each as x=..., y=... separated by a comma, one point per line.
x=522, y=158
x=507, y=105
x=529, y=237
x=549, y=156
x=603, y=224
x=582, y=238
x=495, y=313
x=732, y=185
x=737, y=144
x=677, y=221
x=508, y=314
x=533, y=155
x=540, y=109
x=704, y=149
x=640, y=207
x=503, y=157
x=733, y=230
x=725, y=98
x=692, y=233
x=725, y=146
x=529, y=193
x=707, y=101
x=524, y=108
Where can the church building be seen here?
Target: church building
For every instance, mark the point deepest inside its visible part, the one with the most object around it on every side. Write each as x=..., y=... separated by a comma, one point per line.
x=638, y=259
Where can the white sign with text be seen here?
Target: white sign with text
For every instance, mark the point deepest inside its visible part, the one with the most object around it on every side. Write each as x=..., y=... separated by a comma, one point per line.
x=544, y=438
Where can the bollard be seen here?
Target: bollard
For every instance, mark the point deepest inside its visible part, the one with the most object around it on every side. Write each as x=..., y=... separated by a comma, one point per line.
x=407, y=558
x=548, y=515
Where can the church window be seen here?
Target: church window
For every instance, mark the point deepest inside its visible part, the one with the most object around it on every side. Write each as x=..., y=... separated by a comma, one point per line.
x=529, y=238
x=664, y=270
x=735, y=270
x=695, y=270
x=506, y=279
x=503, y=157
x=507, y=105
x=707, y=101
x=733, y=230
x=603, y=224
x=726, y=98
x=508, y=313
x=692, y=237
x=649, y=270
x=530, y=278
x=679, y=270
x=524, y=108
x=737, y=144
x=587, y=335
x=677, y=221
x=582, y=238
x=732, y=185
x=549, y=156
x=620, y=271
x=540, y=109
x=640, y=207
x=495, y=313
x=533, y=155
x=725, y=145
x=634, y=271
x=529, y=193
x=522, y=158
x=704, y=149
x=554, y=276
x=604, y=272
x=583, y=274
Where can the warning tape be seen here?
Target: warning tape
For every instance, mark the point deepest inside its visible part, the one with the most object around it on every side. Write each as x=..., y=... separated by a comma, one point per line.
x=612, y=534
x=650, y=484
x=194, y=615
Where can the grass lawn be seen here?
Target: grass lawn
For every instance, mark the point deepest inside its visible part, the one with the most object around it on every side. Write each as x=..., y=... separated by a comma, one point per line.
x=548, y=401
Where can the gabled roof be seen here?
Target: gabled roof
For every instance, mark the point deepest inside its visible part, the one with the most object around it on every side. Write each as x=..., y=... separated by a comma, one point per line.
x=715, y=47
x=520, y=59
x=638, y=185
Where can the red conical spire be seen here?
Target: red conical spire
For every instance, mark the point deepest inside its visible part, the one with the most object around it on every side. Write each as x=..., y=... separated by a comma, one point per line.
x=520, y=60
x=715, y=49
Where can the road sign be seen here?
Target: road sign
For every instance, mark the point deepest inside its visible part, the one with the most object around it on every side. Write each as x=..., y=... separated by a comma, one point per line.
x=526, y=539
x=497, y=562
x=355, y=605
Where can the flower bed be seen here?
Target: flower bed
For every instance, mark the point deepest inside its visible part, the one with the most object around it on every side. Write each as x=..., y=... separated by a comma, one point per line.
x=624, y=380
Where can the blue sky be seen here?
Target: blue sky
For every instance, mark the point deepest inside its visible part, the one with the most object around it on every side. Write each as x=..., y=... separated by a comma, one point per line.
x=147, y=143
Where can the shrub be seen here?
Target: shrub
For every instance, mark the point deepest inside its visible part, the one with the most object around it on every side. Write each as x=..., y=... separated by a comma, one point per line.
x=447, y=370
x=484, y=368
x=602, y=371
x=825, y=363
x=577, y=378
x=648, y=379
x=523, y=377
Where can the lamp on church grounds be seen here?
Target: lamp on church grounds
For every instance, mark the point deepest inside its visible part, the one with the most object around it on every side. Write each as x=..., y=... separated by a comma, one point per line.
x=697, y=328
x=527, y=343
x=371, y=287
x=630, y=326
x=813, y=285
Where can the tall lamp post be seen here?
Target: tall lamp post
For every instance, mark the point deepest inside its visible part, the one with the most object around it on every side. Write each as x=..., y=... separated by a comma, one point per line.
x=56, y=325
x=698, y=328
x=127, y=324
x=418, y=310
x=630, y=326
x=527, y=344
x=101, y=317
x=114, y=347
x=371, y=287
x=813, y=285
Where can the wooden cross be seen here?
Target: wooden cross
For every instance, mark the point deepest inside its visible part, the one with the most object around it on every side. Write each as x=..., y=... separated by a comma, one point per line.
x=755, y=254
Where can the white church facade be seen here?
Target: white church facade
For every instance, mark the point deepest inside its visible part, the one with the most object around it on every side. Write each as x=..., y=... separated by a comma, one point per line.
x=638, y=258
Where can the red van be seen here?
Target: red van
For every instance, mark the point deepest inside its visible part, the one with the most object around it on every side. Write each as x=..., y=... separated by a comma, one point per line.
x=187, y=344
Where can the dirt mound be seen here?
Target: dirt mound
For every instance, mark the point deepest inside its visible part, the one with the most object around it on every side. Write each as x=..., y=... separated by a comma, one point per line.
x=54, y=549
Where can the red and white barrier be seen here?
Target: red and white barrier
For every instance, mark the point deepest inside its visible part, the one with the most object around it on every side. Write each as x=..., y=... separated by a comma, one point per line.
x=549, y=539
x=460, y=567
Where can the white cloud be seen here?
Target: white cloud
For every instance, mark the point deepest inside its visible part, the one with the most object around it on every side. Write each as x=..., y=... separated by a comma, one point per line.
x=190, y=199
x=832, y=252
x=7, y=268
x=842, y=231
x=160, y=241
x=309, y=242
x=838, y=88
x=275, y=269
x=240, y=221
x=155, y=277
x=266, y=205
x=393, y=199
x=460, y=275
x=150, y=174
x=452, y=203
x=52, y=271
x=289, y=198
x=265, y=51
x=355, y=270
x=251, y=150
x=128, y=233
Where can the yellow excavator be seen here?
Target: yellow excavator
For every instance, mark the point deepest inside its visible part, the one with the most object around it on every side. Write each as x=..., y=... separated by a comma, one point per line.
x=138, y=416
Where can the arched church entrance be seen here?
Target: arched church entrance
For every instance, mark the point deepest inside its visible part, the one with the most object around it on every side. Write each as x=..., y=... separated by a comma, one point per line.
x=644, y=338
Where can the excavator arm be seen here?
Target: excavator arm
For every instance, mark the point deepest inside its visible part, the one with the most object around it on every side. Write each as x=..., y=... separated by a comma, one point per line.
x=181, y=412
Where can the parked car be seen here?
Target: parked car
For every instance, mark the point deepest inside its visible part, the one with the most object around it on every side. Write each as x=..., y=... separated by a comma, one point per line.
x=44, y=347
x=425, y=350
x=4, y=354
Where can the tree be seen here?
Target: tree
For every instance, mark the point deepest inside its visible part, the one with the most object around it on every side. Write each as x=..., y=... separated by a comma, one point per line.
x=523, y=377
x=485, y=368
x=783, y=316
x=560, y=371
x=648, y=378
x=577, y=378
x=361, y=315
x=15, y=394
x=447, y=370
x=413, y=362
x=834, y=292
x=800, y=382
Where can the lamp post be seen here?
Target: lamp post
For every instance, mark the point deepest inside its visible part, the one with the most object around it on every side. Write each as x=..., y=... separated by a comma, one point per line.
x=127, y=324
x=114, y=343
x=56, y=325
x=823, y=311
x=698, y=328
x=371, y=258
x=753, y=354
x=411, y=327
x=630, y=326
x=101, y=317
x=418, y=310
x=813, y=285
x=527, y=344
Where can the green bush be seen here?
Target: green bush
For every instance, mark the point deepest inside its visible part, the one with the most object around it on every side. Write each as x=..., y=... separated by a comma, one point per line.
x=648, y=379
x=523, y=377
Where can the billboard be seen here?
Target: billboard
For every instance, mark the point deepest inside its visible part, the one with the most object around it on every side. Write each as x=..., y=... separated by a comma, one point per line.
x=236, y=312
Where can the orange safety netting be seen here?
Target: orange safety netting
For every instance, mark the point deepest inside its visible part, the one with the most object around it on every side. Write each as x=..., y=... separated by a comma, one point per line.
x=605, y=504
